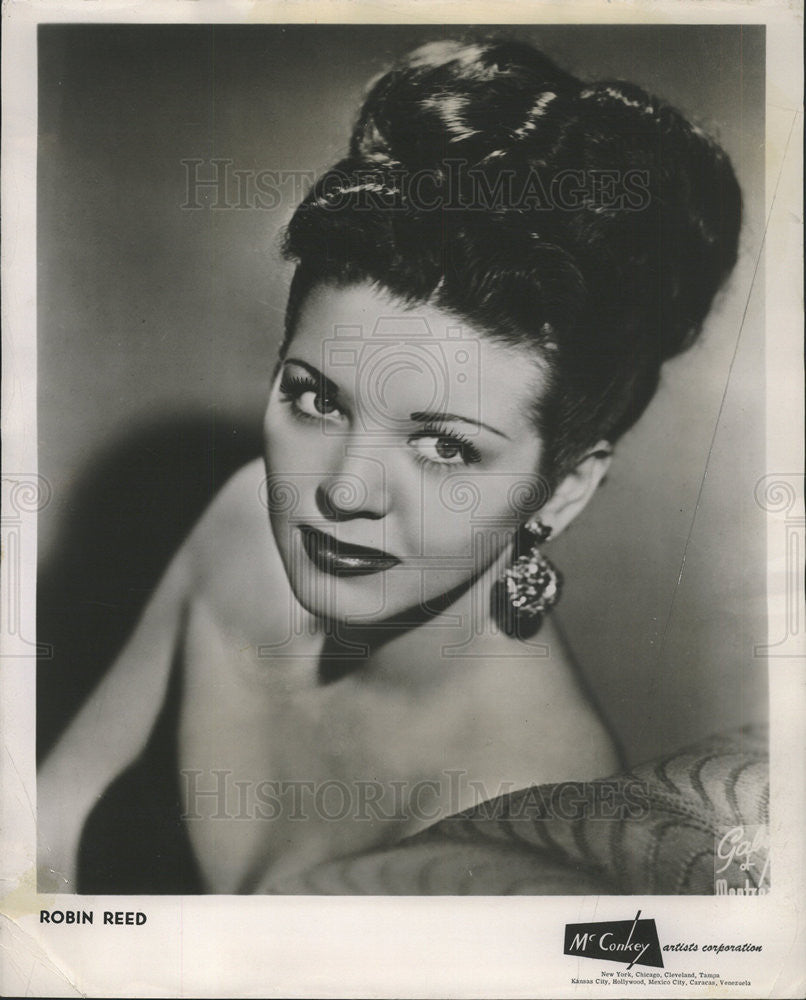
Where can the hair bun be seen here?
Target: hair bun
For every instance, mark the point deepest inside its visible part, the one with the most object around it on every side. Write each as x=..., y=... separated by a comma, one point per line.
x=449, y=99
x=620, y=282
x=617, y=94
x=687, y=232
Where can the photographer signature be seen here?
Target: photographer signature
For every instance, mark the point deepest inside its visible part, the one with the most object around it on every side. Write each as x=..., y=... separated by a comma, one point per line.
x=736, y=846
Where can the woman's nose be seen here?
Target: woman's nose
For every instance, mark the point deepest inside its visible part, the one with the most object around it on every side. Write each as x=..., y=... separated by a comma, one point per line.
x=357, y=489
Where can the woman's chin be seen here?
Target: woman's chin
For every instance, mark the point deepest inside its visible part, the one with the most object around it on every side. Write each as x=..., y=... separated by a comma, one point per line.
x=347, y=598
x=365, y=592
x=364, y=600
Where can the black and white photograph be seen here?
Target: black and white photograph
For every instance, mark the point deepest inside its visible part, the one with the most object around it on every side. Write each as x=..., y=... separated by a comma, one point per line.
x=403, y=488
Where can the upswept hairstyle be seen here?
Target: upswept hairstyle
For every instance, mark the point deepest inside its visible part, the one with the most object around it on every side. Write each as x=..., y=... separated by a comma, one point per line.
x=588, y=220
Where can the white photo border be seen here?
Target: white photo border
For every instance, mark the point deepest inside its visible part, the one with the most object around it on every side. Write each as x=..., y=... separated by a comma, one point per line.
x=387, y=946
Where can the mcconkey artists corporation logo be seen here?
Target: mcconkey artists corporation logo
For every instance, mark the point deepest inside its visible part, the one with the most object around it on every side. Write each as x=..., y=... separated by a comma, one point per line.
x=633, y=942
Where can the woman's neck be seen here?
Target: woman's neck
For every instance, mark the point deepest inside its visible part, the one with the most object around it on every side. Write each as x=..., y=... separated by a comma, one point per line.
x=424, y=648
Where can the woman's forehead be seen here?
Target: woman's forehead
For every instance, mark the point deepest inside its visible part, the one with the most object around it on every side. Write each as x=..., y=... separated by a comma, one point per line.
x=419, y=356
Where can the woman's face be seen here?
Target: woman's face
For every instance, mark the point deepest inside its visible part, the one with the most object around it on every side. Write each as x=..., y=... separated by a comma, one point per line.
x=400, y=453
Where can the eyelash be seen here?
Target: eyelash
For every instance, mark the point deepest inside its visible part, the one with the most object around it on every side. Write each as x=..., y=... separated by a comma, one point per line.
x=470, y=454
x=293, y=386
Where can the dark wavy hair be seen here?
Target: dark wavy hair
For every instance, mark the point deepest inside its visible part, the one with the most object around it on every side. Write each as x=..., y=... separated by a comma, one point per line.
x=588, y=220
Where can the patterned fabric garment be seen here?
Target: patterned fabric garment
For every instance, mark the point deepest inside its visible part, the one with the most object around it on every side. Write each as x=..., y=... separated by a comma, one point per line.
x=671, y=826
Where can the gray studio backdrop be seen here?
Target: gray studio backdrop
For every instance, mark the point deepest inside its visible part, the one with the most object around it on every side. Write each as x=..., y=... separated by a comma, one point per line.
x=158, y=327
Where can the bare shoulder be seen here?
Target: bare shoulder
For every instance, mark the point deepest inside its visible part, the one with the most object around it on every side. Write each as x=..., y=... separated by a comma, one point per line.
x=238, y=508
x=225, y=561
x=233, y=564
x=542, y=712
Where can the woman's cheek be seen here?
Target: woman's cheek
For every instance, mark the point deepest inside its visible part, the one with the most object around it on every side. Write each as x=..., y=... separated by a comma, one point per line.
x=288, y=445
x=270, y=423
x=445, y=530
x=467, y=519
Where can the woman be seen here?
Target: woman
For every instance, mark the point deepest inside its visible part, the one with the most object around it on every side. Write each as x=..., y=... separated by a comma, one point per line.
x=486, y=288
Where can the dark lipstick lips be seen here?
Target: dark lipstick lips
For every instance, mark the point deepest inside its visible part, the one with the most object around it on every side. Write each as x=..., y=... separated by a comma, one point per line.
x=341, y=558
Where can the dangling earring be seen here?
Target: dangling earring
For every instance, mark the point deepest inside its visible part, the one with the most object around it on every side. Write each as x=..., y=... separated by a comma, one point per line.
x=532, y=584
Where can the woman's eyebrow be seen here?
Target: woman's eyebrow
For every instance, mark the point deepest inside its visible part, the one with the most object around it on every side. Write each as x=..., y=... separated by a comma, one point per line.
x=421, y=416
x=327, y=384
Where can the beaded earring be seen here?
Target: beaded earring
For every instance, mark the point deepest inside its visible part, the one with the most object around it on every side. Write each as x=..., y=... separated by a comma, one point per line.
x=532, y=584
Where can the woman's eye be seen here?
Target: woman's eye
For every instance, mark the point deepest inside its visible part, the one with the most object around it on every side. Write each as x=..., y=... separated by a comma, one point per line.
x=444, y=450
x=308, y=399
x=314, y=404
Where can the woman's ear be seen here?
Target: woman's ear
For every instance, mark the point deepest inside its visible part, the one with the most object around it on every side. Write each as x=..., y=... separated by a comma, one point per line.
x=572, y=493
